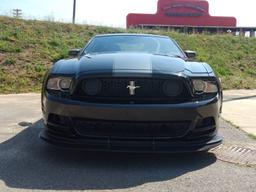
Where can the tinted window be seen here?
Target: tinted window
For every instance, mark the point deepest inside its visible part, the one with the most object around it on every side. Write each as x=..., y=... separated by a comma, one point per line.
x=122, y=43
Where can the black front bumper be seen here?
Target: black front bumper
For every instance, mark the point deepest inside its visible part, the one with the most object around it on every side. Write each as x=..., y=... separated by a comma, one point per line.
x=108, y=144
x=199, y=136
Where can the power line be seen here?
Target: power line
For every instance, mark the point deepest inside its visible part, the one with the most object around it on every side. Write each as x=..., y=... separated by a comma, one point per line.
x=17, y=13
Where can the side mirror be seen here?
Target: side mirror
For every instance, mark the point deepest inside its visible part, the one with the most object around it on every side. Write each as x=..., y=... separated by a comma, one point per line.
x=74, y=52
x=190, y=54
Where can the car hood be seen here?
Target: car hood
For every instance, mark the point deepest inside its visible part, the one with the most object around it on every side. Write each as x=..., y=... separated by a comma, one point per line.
x=127, y=63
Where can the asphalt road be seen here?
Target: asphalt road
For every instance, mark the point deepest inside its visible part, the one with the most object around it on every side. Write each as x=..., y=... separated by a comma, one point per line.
x=28, y=164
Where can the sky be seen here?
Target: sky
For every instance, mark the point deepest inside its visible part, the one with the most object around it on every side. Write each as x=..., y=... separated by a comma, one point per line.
x=113, y=12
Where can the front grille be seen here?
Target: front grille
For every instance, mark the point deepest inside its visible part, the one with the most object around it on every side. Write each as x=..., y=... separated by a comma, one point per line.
x=71, y=126
x=122, y=129
x=114, y=90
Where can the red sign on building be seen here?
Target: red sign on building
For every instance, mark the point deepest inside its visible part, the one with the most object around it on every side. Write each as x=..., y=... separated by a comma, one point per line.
x=180, y=13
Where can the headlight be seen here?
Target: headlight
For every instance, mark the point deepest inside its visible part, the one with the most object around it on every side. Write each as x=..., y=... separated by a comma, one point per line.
x=59, y=83
x=204, y=86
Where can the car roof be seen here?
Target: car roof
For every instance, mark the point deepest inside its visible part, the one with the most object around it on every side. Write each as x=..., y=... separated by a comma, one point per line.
x=131, y=34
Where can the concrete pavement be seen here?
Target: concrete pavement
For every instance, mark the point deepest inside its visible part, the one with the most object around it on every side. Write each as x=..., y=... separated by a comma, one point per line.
x=17, y=111
x=240, y=108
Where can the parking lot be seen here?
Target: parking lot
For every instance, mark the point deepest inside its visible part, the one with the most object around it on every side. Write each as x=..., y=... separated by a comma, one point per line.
x=28, y=164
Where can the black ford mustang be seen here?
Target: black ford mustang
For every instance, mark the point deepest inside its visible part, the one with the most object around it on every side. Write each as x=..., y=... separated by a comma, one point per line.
x=132, y=92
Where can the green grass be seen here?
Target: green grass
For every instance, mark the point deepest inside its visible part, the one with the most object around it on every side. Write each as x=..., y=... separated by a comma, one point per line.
x=28, y=49
x=252, y=136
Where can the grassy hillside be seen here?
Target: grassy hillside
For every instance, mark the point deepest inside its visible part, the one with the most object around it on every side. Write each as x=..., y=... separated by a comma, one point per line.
x=28, y=48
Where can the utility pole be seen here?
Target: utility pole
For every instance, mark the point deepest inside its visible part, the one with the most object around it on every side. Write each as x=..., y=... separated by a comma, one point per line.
x=74, y=12
x=17, y=13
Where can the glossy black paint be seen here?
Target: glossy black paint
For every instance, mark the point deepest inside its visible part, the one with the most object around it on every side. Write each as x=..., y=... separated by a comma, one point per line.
x=131, y=65
x=127, y=62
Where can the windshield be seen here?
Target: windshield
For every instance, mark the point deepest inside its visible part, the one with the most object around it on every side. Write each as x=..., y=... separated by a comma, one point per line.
x=133, y=43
